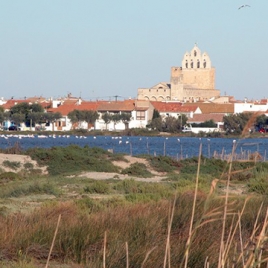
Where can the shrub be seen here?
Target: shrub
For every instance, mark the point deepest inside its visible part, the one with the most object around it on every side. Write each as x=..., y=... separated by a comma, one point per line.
x=258, y=185
x=11, y=164
x=73, y=158
x=137, y=170
x=9, y=176
x=98, y=187
x=28, y=165
x=163, y=163
x=34, y=188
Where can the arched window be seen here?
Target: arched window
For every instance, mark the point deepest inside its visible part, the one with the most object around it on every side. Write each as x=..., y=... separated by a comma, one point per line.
x=198, y=64
x=195, y=53
x=186, y=64
x=204, y=64
x=192, y=64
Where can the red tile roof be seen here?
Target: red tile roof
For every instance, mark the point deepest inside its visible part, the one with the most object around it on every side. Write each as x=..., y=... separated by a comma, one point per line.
x=114, y=106
x=207, y=108
x=64, y=109
x=172, y=107
x=200, y=118
x=12, y=102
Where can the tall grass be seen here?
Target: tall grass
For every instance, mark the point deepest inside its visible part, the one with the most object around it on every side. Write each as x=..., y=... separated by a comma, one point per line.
x=143, y=226
x=197, y=228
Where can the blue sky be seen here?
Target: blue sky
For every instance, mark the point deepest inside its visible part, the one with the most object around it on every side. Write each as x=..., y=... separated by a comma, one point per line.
x=100, y=49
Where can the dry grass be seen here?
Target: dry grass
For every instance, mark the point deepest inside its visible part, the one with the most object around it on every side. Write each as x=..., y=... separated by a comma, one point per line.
x=194, y=229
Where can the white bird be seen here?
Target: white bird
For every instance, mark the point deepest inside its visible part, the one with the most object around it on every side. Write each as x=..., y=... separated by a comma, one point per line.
x=244, y=6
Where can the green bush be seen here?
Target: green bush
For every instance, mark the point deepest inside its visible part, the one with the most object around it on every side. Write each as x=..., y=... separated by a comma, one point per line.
x=34, y=188
x=73, y=158
x=28, y=165
x=143, y=198
x=98, y=187
x=11, y=164
x=163, y=163
x=137, y=187
x=258, y=185
x=9, y=176
x=137, y=170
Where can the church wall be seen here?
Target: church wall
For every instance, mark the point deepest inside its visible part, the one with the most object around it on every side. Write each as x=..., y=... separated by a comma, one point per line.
x=199, y=78
x=153, y=94
x=176, y=83
x=199, y=94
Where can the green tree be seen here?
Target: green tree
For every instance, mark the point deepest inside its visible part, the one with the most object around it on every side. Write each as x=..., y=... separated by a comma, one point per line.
x=36, y=108
x=171, y=124
x=21, y=108
x=52, y=117
x=156, y=114
x=17, y=118
x=107, y=118
x=261, y=121
x=235, y=123
x=156, y=124
x=90, y=117
x=25, y=112
x=76, y=116
x=182, y=120
x=2, y=116
x=36, y=118
x=208, y=123
x=125, y=118
x=116, y=118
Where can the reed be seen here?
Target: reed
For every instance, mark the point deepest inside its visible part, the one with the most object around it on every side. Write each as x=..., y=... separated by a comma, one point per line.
x=179, y=229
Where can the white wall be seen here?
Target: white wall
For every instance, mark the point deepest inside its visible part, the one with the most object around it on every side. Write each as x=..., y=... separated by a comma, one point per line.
x=249, y=107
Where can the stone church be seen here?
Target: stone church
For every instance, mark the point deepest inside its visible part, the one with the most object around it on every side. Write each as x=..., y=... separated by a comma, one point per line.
x=193, y=81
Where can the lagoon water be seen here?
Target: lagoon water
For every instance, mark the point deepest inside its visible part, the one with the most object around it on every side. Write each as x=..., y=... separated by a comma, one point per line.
x=171, y=146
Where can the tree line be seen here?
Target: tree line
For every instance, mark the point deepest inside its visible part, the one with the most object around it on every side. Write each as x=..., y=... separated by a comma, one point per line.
x=32, y=114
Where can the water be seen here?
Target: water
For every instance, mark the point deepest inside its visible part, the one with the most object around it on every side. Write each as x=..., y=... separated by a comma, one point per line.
x=172, y=146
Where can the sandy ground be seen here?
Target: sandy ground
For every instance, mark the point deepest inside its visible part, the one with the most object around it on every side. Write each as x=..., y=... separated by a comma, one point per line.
x=23, y=159
x=93, y=175
x=122, y=164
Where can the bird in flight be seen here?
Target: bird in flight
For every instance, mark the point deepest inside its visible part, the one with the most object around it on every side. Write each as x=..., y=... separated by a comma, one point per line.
x=244, y=6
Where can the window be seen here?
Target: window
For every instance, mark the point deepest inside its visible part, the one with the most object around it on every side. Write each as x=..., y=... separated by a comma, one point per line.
x=192, y=64
x=140, y=115
x=195, y=53
x=186, y=64
x=198, y=64
x=204, y=64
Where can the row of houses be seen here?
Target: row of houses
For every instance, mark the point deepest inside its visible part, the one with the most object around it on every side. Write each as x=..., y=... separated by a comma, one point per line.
x=140, y=111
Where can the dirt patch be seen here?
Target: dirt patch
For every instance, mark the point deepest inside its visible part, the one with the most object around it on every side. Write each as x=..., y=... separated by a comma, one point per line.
x=122, y=165
x=22, y=159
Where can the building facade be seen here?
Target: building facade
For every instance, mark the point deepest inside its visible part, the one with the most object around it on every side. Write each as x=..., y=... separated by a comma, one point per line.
x=193, y=81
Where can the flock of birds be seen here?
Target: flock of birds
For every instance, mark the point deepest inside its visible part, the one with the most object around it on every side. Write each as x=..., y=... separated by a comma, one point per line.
x=53, y=136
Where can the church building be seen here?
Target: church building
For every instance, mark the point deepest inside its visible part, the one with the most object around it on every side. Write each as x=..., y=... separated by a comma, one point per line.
x=193, y=81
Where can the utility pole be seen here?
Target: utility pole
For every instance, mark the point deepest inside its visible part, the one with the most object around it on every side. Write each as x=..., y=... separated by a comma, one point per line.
x=116, y=97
